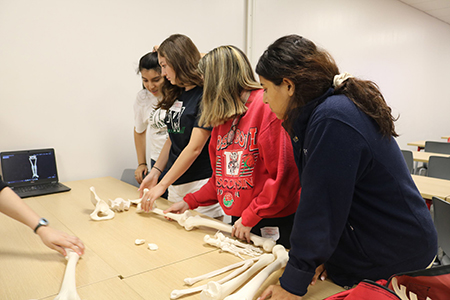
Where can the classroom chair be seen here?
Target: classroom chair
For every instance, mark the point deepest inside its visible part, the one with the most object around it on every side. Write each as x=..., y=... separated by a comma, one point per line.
x=408, y=155
x=442, y=224
x=437, y=147
x=439, y=167
x=128, y=177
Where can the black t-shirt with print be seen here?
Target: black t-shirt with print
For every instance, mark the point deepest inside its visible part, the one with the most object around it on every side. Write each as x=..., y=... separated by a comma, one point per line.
x=181, y=118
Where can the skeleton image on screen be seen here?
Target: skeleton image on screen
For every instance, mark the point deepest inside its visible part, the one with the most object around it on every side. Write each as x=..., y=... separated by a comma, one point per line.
x=33, y=162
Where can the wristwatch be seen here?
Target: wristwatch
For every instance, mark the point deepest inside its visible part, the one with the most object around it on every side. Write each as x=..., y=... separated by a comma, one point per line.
x=42, y=222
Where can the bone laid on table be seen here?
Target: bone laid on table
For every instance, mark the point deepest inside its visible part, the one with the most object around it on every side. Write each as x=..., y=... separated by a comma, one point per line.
x=113, y=266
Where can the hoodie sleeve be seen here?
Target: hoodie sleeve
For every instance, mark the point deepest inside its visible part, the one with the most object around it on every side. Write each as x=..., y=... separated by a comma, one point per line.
x=207, y=195
x=282, y=187
x=334, y=156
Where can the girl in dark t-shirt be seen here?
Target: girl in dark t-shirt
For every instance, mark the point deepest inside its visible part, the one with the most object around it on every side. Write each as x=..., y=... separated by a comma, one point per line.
x=186, y=151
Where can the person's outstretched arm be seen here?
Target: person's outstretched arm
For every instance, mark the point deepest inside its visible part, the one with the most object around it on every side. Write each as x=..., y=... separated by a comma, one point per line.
x=13, y=206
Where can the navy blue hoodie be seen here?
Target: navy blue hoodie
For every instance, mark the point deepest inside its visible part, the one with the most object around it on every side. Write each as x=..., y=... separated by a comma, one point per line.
x=360, y=212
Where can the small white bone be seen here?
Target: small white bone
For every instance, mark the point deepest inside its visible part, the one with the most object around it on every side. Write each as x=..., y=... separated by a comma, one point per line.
x=68, y=288
x=178, y=293
x=217, y=291
x=102, y=210
x=191, y=281
x=250, y=289
x=152, y=247
x=119, y=204
x=139, y=241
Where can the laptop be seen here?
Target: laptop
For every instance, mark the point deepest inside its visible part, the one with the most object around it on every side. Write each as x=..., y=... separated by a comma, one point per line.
x=31, y=173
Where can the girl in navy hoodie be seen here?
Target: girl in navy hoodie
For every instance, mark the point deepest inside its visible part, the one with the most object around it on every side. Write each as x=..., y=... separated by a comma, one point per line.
x=360, y=214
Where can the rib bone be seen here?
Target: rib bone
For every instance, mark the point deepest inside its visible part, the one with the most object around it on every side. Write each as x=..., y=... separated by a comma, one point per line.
x=68, y=288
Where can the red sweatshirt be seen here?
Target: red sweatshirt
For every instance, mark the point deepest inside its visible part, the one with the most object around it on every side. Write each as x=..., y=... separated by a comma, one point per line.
x=254, y=174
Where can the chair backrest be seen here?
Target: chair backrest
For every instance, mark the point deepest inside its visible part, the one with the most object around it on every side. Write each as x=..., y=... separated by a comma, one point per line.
x=437, y=147
x=442, y=223
x=128, y=177
x=439, y=167
x=408, y=155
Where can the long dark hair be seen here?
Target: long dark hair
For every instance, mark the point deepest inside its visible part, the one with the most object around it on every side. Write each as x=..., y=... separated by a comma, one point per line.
x=182, y=56
x=150, y=62
x=312, y=71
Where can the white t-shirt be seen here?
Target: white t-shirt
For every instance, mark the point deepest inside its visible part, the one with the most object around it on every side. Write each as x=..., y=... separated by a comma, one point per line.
x=146, y=117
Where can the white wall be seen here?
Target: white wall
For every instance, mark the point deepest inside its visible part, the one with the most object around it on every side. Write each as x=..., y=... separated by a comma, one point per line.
x=405, y=51
x=67, y=72
x=67, y=69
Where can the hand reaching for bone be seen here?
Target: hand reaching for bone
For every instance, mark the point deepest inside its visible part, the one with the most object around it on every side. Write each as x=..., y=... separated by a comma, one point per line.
x=240, y=231
x=58, y=240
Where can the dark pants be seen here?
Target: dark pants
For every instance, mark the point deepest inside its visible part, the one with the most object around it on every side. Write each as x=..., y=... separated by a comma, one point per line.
x=284, y=225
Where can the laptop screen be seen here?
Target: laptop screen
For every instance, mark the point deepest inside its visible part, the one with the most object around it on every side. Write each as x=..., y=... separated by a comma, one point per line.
x=29, y=166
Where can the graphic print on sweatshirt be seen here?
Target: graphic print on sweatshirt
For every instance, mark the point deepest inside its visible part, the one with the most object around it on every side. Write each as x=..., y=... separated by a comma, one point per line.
x=234, y=167
x=174, y=117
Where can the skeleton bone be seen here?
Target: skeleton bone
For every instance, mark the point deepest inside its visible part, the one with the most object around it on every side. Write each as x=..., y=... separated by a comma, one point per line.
x=250, y=289
x=196, y=221
x=191, y=281
x=189, y=222
x=68, y=288
x=227, y=245
x=119, y=204
x=216, y=291
x=102, y=210
x=180, y=218
x=245, y=265
x=137, y=201
x=233, y=246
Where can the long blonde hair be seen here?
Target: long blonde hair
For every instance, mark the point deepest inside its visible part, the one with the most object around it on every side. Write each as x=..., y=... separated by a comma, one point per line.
x=227, y=72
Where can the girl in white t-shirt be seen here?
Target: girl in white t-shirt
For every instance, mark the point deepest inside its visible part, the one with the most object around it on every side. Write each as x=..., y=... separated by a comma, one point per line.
x=148, y=121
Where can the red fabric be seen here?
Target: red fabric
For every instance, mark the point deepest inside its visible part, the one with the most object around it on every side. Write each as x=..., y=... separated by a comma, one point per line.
x=254, y=177
x=366, y=291
x=436, y=287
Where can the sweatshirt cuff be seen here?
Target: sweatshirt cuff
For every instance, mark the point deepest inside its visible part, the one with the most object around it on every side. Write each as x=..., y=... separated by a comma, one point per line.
x=191, y=201
x=295, y=281
x=250, y=218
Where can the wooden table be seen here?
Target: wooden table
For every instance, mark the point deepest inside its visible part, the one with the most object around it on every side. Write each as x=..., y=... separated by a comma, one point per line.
x=432, y=187
x=113, y=267
x=419, y=144
x=425, y=156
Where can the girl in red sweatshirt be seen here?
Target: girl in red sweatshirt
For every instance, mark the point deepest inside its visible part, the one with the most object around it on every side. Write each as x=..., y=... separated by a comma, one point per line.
x=254, y=178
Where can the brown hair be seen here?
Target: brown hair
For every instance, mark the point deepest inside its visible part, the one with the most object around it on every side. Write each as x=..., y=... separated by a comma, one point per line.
x=312, y=71
x=182, y=56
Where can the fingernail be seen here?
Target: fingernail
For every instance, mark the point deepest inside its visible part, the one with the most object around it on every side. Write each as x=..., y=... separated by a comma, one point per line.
x=322, y=278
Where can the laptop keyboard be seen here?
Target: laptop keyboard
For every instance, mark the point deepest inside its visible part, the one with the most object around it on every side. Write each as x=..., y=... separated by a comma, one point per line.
x=46, y=186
